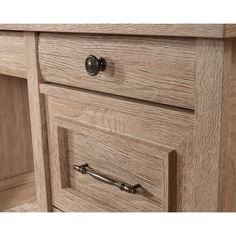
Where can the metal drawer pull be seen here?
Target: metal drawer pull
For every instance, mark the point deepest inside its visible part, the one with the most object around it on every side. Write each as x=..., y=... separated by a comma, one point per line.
x=85, y=169
x=93, y=65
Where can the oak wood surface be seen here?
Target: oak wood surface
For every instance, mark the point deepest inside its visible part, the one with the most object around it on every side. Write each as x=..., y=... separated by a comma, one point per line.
x=16, y=181
x=167, y=127
x=57, y=210
x=16, y=196
x=38, y=124
x=12, y=59
x=183, y=30
x=16, y=155
x=212, y=72
x=230, y=30
x=185, y=161
x=207, y=178
x=154, y=69
x=122, y=158
x=171, y=124
x=21, y=189
x=205, y=159
x=227, y=174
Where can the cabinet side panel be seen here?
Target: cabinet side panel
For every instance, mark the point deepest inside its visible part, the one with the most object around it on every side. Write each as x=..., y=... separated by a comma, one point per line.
x=227, y=187
x=204, y=174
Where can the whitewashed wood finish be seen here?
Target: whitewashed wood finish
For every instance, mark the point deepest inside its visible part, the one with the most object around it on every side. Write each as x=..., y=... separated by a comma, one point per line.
x=211, y=174
x=230, y=31
x=16, y=196
x=227, y=181
x=185, y=161
x=16, y=155
x=12, y=59
x=121, y=158
x=30, y=206
x=155, y=69
x=16, y=181
x=203, y=195
x=128, y=120
x=17, y=190
x=57, y=210
x=38, y=124
x=206, y=180
x=179, y=30
x=182, y=142
x=206, y=162
x=170, y=128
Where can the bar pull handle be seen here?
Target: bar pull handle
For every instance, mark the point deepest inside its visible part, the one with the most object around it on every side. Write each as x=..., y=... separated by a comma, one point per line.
x=85, y=169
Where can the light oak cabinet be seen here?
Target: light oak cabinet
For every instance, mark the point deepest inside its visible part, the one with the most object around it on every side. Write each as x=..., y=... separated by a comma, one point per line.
x=131, y=142
x=158, y=121
x=16, y=154
x=154, y=69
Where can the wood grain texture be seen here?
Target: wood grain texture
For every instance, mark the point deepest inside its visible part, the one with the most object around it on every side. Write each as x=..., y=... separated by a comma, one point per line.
x=22, y=192
x=230, y=31
x=171, y=124
x=215, y=127
x=12, y=60
x=16, y=181
x=16, y=155
x=154, y=69
x=25, y=207
x=38, y=124
x=125, y=159
x=185, y=161
x=211, y=76
x=57, y=210
x=183, y=30
x=117, y=121
x=206, y=163
x=227, y=182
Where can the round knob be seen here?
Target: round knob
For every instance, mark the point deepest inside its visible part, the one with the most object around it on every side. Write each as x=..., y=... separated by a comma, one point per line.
x=93, y=65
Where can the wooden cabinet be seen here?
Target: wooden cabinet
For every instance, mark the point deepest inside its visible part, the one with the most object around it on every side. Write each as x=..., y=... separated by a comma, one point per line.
x=16, y=155
x=83, y=125
x=182, y=72
x=161, y=114
x=17, y=183
x=131, y=142
x=154, y=69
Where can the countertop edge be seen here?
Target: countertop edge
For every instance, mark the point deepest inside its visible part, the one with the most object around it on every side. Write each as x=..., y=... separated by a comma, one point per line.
x=175, y=30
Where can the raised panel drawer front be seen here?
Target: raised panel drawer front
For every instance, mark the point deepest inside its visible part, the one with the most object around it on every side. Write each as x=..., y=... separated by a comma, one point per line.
x=12, y=59
x=148, y=68
x=125, y=141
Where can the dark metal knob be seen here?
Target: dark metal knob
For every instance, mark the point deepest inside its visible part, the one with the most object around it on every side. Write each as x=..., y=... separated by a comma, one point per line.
x=93, y=65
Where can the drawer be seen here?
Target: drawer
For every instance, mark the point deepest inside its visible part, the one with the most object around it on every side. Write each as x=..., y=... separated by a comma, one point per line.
x=155, y=69
x=125, y=141
x=12, y=58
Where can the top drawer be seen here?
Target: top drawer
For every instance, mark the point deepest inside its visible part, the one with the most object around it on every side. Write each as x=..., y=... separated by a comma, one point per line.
x=155, y=69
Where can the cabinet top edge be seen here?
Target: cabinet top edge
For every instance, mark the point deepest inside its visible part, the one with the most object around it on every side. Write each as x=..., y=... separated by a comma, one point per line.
x=176, y=30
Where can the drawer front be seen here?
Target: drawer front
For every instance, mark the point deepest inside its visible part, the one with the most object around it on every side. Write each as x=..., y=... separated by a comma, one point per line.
x=155, y=69
x=12, y=58
x=127, y=142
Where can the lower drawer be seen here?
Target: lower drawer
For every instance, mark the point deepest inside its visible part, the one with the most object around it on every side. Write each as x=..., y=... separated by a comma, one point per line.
x=123, y=144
